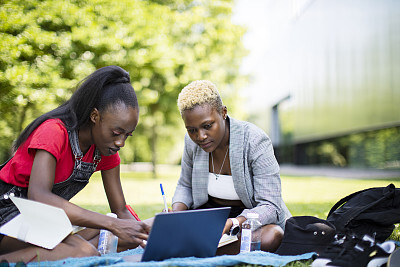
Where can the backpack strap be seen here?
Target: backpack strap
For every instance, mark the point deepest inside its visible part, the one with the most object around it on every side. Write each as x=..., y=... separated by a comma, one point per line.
x=344, y=200
x=387, y=192
x=350, y=214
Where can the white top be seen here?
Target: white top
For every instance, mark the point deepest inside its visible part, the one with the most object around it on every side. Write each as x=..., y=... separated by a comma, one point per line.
x=222, y=187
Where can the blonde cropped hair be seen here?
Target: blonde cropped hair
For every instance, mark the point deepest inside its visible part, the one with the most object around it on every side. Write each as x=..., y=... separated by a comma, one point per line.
x=198, y=93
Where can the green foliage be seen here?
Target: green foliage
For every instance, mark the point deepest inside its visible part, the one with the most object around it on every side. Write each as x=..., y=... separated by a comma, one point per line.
x=47, y=46
x=373, y=149
x=376, y=149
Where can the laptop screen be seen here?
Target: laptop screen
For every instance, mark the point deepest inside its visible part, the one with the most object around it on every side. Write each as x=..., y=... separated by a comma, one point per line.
x=191, y=233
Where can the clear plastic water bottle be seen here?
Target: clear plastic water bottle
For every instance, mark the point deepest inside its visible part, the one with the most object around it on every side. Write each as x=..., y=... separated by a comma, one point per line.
x=108, y=242
x=251, y=234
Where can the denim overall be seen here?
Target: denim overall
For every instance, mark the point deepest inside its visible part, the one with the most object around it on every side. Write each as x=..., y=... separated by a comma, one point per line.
x=66, y=189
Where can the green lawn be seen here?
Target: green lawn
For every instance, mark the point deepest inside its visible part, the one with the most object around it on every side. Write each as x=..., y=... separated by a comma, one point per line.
x=313, y=196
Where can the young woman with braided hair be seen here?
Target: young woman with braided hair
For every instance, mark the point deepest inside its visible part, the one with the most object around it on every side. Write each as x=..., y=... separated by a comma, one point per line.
x=57, y=153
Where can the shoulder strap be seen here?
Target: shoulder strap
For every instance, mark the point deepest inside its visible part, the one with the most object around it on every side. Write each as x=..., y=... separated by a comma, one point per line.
x=350, y=214
x=74, y=142
x=389, y=189
x=344, y=200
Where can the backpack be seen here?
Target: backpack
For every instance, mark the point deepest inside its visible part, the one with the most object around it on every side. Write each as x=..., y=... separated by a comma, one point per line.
x=372, y=211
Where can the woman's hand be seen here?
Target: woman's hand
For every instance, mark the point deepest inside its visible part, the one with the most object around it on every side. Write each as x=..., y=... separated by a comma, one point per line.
x=169, y=209
x=229, y=224
x=227, y=227
x=130, y=233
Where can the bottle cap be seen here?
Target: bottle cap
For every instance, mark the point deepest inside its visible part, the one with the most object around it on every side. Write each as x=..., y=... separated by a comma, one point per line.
x=112, y=215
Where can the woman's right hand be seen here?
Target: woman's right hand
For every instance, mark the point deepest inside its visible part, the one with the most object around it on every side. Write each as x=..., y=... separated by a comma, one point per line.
x=178, y=206
x=130, y=233
x=169, y=210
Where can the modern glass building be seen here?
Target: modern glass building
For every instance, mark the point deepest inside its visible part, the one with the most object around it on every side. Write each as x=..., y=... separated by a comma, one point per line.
x=340, y=63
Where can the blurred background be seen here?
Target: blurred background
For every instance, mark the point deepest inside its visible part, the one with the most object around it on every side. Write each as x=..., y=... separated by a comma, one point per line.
x=321, y=77
x=327, y=80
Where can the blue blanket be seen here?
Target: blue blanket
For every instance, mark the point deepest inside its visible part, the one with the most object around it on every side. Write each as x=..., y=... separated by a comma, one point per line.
x=117, y=259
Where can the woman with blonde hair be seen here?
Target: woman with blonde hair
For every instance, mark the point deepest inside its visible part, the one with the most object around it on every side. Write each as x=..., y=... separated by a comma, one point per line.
x=228, y=163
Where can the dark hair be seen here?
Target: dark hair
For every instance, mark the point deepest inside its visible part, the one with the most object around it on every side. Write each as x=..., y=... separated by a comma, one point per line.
x=105, y=87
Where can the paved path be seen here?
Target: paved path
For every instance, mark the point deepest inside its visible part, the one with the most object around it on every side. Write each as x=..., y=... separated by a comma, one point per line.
x=294, y=170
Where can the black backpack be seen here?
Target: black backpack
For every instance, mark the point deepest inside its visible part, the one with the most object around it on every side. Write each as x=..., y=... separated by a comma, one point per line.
x=372, y=211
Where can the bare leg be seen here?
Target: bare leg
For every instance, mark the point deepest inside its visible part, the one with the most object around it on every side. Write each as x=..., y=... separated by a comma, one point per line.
x=91, y=235
x=271, y=237
x=9, y=244
x=72, y=246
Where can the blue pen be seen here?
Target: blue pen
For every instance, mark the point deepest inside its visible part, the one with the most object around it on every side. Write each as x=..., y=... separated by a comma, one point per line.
x=165, y=200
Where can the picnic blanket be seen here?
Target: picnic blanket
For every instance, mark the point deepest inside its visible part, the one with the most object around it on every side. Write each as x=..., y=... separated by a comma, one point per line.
x=116, y=259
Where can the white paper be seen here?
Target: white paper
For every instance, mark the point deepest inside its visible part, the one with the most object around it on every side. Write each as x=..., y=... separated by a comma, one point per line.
x=227, y=239
x=39, y=224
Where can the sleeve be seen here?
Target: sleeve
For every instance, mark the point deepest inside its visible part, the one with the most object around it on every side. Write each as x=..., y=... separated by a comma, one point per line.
x=51, y=136
x=183, y=191
x=108, y=162
x=266, y=178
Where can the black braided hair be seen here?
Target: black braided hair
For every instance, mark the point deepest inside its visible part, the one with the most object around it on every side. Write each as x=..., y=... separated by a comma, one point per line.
x=103, y=88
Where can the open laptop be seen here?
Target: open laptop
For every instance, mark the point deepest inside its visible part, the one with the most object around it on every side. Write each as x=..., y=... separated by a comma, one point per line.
x=191, y=233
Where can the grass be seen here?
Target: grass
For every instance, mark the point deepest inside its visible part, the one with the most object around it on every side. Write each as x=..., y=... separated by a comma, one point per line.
x=312, y=196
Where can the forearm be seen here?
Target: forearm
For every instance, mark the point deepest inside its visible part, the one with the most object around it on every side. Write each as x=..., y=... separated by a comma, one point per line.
x=268, y=214
x=77, y=215
x=179, y=206
x=40, y=187
x=183, y=190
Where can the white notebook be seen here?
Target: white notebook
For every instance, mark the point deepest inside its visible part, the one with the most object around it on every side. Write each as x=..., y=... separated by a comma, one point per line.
x=39, y=224
x=227, y=239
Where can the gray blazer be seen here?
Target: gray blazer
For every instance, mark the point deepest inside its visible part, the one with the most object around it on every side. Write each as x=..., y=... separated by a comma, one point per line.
x=255, y=174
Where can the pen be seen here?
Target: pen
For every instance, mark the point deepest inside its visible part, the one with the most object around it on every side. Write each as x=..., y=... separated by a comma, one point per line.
x=165, y=201
x=133, y=212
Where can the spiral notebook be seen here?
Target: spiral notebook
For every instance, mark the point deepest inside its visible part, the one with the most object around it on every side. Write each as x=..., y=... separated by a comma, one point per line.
x=192, y=233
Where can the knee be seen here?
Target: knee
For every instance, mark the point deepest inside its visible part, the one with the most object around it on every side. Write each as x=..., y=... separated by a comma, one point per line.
x=81, y=247
x=272, y=236
x=278, y=233
x=88, y=250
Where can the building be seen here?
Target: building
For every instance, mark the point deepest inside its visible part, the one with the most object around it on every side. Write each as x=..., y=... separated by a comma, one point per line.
x=339, y=60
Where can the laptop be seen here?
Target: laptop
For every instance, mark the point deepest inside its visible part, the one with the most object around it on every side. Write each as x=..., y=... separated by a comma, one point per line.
x=191, y=233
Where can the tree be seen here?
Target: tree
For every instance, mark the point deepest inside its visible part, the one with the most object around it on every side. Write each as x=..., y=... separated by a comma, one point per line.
x=46, y=47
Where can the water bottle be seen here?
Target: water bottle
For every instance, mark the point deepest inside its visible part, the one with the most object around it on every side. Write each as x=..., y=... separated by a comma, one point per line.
x=108, y=242
x=251, y=234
